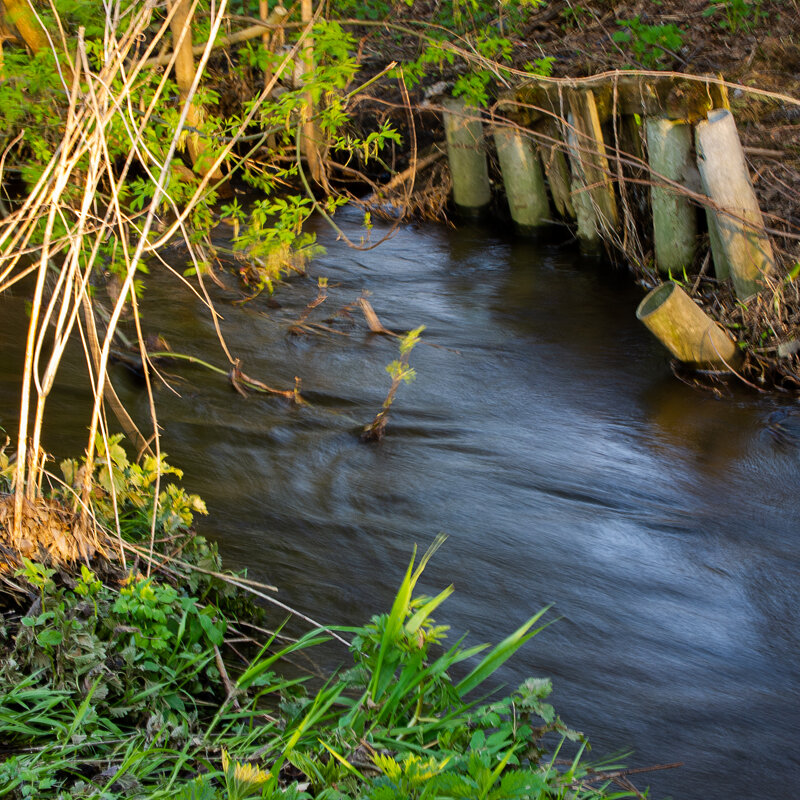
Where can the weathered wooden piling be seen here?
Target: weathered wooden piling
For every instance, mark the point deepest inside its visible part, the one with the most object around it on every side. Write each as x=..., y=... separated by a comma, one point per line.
x=722, y=269
x=556, y=169
x=588, y=224
x=686, y=330
x=739, y=224
x=669, y=146
x=312, y=138
x=522, y=177
x=467, y=157
x=588, y=152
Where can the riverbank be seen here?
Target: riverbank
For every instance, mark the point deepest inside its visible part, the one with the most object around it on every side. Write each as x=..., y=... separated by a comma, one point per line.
x=154, y=675
x=356, y=116
x=749, y=52
x=272, y=239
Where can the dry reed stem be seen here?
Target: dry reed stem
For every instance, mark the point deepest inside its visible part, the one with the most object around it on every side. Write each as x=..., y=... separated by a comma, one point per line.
x=84, y=136
x=136, y=257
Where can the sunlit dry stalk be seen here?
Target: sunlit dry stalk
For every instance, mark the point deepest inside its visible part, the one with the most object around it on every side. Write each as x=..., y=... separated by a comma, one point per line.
x=73, y=256
x=63, y=171
x=136, y=257
x=68, y=274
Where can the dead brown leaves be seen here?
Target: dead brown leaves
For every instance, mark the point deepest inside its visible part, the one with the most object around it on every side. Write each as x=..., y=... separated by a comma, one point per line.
x=50, y=533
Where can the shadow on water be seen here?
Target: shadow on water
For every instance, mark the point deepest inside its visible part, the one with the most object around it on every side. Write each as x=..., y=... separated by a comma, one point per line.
x=548, y=439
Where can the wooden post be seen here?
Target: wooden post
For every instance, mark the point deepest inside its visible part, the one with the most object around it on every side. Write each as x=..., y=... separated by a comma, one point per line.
x=467, y=158
x=522, y=178
x=271, y=41
x=695, y=184
x=556, y=169
x=631, y=139
x=669, y=145
x=266, y=37
x=20, y=15
x=585, y=211
x=589, y=149
x=686, y=330
x=722, y=269
x=739, y=223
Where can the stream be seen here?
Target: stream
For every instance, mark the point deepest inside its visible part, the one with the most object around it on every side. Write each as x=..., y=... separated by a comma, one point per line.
x=547, y=437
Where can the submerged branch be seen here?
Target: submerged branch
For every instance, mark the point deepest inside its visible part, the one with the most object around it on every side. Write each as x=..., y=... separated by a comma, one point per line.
x=239, y=380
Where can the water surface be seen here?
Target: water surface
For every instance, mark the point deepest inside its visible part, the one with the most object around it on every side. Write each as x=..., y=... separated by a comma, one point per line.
x=546, y=436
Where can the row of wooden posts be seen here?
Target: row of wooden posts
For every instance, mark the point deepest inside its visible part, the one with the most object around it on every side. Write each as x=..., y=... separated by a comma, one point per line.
x=693, y=157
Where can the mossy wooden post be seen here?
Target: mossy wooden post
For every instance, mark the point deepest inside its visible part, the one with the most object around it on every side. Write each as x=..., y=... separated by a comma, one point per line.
x=466, y=155
x=669, y=145
x=631, y=138
x=695, y=184
x=585, y=212
x=556, y=169
x=588, y=148
x=740, y=226
x=686, y=330
x=522, y=178
x=722, y=269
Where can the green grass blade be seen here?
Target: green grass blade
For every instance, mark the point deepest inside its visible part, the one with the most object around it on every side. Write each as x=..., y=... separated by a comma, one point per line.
x=501, y=653
x=391, y=631
x=384, y=667
x=420, y=616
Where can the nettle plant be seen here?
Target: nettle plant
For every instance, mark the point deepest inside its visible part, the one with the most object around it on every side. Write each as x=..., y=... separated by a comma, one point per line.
x=736, y=15
x=650, y=45
x=125, y=491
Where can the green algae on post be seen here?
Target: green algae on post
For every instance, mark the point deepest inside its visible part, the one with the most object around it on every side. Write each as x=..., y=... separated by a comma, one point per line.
x=686, y=330
x=467, y=157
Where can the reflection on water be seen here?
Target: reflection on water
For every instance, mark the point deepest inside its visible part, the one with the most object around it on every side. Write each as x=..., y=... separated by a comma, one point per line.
x=546, y=436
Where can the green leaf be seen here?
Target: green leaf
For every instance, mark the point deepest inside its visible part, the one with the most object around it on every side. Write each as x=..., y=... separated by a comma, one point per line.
x=421, y=616
x=500, y=654
x=50, y=638
x=393, y=629
x=215, y=631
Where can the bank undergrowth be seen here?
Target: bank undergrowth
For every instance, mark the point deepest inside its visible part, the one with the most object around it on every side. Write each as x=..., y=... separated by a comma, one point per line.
x=160, y=680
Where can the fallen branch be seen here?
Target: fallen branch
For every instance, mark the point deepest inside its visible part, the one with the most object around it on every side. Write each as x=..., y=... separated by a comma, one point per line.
x=375, y=325
x=239, y=380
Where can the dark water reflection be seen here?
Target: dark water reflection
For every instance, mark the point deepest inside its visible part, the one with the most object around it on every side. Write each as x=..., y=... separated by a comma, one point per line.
x=559, y=455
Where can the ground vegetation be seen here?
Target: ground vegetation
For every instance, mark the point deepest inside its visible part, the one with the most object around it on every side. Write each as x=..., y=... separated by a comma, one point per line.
x=133, y=665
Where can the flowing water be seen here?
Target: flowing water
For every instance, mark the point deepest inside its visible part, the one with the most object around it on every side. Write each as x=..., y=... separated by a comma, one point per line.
x=546, y=436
